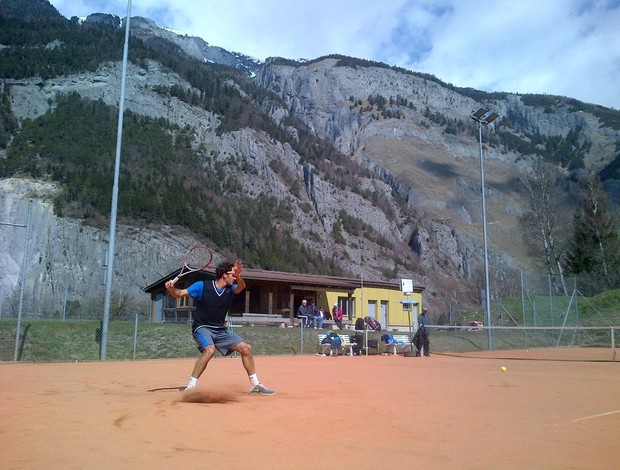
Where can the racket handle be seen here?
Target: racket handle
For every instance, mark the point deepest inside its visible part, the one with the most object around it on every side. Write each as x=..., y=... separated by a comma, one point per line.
x=174, y=281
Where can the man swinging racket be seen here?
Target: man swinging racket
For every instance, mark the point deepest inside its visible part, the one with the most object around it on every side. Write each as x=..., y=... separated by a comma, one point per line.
x=209, y=329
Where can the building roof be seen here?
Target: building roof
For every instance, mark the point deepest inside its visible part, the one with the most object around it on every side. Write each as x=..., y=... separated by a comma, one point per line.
x=297, y=279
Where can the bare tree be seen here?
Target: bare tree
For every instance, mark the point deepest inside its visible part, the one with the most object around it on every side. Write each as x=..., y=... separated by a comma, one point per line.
x=544, y=224
x=594, y=248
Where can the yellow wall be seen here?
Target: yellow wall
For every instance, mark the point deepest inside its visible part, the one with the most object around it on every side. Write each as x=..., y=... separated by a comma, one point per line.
x=396, y=316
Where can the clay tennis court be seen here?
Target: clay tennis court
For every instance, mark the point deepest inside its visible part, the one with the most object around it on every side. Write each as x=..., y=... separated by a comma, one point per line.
x=548, y=410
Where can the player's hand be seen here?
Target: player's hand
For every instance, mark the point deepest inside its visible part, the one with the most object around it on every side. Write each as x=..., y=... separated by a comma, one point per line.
x=237, y=268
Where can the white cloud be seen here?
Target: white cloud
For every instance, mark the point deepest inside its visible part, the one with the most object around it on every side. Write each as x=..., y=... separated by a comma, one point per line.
x=561, y=47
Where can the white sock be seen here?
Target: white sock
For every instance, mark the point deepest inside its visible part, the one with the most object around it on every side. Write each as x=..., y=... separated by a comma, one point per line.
x=254, y=380
x=192, y=383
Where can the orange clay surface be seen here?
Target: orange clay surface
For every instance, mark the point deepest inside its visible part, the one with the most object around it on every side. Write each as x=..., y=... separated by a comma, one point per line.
x=369, y=412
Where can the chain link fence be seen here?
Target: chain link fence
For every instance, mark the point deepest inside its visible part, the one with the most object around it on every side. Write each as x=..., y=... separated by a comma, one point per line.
x=43, y=340
x=526, y=311
x=538, y=300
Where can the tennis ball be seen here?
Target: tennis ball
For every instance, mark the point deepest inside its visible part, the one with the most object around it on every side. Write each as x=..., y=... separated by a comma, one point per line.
x=503, y=368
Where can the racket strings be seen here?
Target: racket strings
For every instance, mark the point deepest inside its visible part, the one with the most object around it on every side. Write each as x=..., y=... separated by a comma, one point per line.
x=198, y=258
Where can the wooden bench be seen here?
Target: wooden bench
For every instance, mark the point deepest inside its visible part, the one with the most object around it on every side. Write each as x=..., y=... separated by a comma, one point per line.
x=329, y=324
x=346, y=343
x=347, y=324
x=400, y=341
x=259, y=319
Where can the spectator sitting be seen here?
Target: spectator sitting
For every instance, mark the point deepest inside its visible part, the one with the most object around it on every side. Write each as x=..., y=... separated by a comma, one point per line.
x=318, y=318
x=331, y=342
x=337, y=316
x=358, y=340
x=391, y=344
x=312, y=312
x=303, y=313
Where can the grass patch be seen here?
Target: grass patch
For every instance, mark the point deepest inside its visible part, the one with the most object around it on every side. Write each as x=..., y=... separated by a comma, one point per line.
x=74, y=340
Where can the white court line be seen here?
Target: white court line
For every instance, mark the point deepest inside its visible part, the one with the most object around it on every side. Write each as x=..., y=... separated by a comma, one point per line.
x=596, y=416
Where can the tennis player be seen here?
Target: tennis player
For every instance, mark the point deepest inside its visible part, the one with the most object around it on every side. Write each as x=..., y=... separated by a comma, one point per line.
x=209, y=329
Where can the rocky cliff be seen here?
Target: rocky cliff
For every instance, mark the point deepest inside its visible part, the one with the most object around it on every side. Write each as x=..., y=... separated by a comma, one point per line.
x=66, y=259
x=417, y=196
x=32, y=98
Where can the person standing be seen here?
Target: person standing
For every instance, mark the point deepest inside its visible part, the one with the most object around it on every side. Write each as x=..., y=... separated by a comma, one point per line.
x=337, y=316
x=209, y=329
x=423, y=322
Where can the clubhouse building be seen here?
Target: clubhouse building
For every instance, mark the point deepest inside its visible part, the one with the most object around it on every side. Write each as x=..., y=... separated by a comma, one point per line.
x=273, y=297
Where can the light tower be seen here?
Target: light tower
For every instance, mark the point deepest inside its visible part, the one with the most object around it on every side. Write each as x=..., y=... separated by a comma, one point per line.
x=484, y=116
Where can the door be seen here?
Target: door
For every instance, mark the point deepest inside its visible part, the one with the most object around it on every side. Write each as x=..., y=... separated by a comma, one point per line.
x=158, y=307
x=372, y=309
x=384, y=314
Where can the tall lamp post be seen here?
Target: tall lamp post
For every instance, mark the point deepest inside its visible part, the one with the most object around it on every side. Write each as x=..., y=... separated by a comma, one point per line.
x=484, y=116
x=113, y=212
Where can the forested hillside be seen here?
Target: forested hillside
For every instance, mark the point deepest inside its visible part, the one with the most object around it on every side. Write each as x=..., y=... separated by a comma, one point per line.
x=335, y=165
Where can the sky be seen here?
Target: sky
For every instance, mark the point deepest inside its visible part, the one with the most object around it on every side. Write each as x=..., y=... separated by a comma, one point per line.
x=555, y=47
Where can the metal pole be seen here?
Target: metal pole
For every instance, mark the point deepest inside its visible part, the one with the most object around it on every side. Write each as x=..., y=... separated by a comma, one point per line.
x=117, y=164
x=135, y=336
x=64, y=305
x=550, y=298
x=486, y=250
x=22, y=281
x=523, y=309
x=301, y=328
x=362, y=314
x=576, y=308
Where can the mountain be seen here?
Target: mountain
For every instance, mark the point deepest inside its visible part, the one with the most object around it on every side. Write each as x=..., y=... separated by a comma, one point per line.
x=333, y=166
x=193, y=46
x=29, y=10
x=157, y=37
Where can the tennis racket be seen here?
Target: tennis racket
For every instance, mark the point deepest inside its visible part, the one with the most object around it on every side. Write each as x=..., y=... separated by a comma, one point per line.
x=196, y=259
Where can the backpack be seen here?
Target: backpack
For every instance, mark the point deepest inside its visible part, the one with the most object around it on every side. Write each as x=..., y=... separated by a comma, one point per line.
x=387, y=339
x=372, y=324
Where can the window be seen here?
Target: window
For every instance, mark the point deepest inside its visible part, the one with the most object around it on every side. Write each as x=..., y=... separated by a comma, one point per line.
x=347, y=304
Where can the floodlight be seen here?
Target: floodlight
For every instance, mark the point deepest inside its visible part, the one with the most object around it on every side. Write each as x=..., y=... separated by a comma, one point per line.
x=485, y=116
x=489, y=117
x=476, y=115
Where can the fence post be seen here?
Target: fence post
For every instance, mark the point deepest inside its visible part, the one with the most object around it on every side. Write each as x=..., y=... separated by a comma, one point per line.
x=98, y=335
x=135, y=337
x=22, y=281
x=301, y=328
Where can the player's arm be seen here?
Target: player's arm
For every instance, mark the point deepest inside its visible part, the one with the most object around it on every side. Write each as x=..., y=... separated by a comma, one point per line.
x=174, y=292
x=237, y=269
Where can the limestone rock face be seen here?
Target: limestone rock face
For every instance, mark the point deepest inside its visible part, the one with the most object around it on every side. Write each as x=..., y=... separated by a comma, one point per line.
x=67, y=257
x=320, y=94
x=434, y=237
